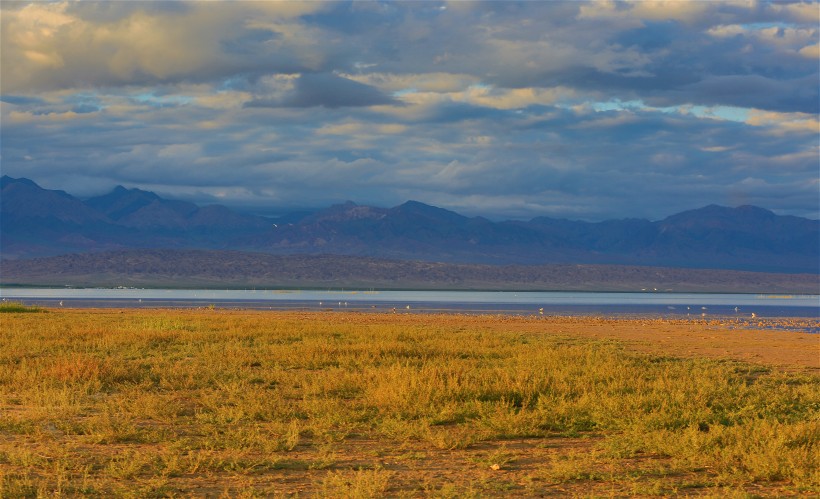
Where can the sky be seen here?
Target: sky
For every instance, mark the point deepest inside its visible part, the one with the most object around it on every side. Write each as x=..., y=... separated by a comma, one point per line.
x=582, y=110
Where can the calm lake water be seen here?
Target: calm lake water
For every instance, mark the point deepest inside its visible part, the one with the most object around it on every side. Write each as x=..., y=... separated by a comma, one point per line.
x=526, y=302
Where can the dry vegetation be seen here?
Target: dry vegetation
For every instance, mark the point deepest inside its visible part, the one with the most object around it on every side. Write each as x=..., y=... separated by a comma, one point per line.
x=220, y=269
x=212, y=402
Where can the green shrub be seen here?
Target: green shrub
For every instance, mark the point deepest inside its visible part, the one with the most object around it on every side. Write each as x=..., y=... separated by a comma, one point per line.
x=17, y=307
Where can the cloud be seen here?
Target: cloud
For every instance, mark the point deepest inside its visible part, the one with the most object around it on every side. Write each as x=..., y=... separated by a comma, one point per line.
x=785, y=123
x=750, y=90
x=578, y=109
x=654, y=10
x=805, y=12
x=327, y=90
x=64, y=45
x=21, y=99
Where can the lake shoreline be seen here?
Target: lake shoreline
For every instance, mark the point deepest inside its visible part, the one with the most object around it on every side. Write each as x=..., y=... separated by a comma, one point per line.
x=615, y=304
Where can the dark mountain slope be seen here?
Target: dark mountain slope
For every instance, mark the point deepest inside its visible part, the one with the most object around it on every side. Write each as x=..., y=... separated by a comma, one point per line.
x=122, y=202
x=146, y=210
x=23, y=201
x=38, y=222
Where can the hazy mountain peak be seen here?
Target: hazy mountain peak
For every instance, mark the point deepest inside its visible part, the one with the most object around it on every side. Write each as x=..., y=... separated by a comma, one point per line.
x=38, y=221
x=345, y=212
x=6, y=180
x=714, y=216
x=421, y=209
x=122, y=202
x=24, y=201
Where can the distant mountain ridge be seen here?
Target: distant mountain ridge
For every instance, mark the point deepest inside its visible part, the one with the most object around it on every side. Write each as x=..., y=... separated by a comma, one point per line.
x=36, y=222
x=143, y=209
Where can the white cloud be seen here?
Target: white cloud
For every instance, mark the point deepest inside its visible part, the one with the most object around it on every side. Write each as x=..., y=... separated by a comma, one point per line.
x=784, y=39
x=679, y=10
x=50, y=45
x=686, y=11
x=810, y=52
x=783, y=123
x=805, y=12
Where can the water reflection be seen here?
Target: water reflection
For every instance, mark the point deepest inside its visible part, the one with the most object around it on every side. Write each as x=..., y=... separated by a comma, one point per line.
x=521, y=302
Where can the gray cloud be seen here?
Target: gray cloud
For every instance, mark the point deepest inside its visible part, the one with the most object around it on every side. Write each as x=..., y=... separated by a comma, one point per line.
x=798, y=95
x=327, y=90
x=504, y=109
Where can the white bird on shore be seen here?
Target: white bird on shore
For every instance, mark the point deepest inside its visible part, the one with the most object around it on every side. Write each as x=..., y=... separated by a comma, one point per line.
x=61, y=303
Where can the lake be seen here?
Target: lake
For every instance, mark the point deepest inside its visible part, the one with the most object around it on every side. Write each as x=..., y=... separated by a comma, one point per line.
x=521, y=302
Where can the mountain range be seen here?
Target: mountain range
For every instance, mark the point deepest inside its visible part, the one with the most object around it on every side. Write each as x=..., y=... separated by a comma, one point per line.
x=37, y=222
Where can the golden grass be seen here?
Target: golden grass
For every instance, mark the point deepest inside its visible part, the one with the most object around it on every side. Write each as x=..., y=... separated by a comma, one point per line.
x=211, y=402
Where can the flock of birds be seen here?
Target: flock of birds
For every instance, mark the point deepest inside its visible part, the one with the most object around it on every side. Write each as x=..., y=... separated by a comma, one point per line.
x=540, y=310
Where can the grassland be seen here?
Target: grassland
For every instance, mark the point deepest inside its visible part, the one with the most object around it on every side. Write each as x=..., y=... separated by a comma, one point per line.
x=235, y=403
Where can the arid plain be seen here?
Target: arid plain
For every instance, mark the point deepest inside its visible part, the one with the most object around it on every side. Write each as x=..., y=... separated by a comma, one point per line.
x=245, y=403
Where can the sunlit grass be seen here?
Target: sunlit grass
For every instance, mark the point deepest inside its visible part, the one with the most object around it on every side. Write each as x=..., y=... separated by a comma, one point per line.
x=212, y=402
